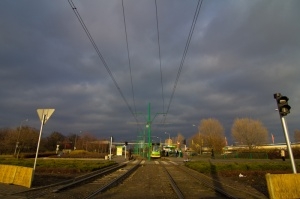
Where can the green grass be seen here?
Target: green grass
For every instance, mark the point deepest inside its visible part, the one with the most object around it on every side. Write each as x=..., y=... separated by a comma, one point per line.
x=216, y=167
x=56, y=164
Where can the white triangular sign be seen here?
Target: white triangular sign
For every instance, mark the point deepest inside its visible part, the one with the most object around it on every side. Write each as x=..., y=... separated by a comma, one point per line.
x=45, y=112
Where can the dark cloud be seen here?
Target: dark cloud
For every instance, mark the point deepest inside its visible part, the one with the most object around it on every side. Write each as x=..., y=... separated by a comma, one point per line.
x=241, y=53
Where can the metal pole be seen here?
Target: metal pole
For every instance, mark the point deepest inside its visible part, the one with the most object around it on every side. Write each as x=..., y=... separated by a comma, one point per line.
x=168, y=139
x=285, y=129
x=37, y=149
x=17, y=143
x=110, y=148
x=144, y=144
x=149, y=132
x=75, y=141
x=125, y=152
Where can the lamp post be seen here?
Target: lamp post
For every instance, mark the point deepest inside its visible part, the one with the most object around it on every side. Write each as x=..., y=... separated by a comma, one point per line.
x=157, y=138
x=17, y=143
x=76, y=140
x=159, y=142
x=200, y=141
x=198, y=129
x=169, y=138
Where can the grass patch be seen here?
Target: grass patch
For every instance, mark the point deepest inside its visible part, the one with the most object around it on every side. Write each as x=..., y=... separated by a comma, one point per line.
x=57, y=165
x=218, y=167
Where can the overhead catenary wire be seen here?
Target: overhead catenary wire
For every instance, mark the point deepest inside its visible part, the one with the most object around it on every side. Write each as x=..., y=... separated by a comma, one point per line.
x=159, y=54
x=129, y=64
x=128, y=55
x=100, y=56
x=199, y=4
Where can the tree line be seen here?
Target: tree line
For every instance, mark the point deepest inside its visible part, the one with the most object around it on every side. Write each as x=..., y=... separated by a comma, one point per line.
x=211, y=134
x=25, y=139
x=244, y=131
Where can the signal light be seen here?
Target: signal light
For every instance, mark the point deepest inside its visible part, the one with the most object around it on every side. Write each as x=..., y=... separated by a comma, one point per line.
x=282, y=104
x=126, y=143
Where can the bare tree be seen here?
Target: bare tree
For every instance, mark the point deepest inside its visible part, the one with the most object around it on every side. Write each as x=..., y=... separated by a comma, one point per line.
x=28, y=140
x=8, y=140
x=297, y=135
x=54, y=139
x=249, y=132
x=197, y=142
x=179, y=140
x=17, y=140
x=84, y=141
x=212, y=134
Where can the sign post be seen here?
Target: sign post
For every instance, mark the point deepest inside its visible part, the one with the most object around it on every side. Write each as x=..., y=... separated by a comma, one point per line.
x=111, y=138
x=125, y=151
x=44, y=115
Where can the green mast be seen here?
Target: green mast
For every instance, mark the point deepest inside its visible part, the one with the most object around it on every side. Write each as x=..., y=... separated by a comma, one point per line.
x=149, y=132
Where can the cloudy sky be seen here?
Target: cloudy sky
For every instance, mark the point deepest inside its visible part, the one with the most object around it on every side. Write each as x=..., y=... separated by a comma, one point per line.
x=240, y=54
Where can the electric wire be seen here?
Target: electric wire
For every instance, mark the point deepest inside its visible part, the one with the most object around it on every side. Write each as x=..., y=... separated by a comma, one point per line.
x=128, y=55
x=159, y=53
x=129, y=63
x=184, y=54
x=100, y=56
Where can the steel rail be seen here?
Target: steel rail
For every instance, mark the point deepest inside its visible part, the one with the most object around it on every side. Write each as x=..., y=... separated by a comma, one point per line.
x=89, y=178
x=114, y=181
x=173, y=184
x=66, y=181
x=219, y=190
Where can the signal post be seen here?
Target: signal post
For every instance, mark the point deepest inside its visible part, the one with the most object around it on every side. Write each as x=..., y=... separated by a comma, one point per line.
x=284, y=109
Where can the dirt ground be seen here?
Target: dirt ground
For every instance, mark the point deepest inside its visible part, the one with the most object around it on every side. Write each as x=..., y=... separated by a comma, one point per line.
x=252, y=179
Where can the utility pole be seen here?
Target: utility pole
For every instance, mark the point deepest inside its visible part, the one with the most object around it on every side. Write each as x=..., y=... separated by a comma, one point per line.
x=19, y=132
x=149, y=131
x=149, y=123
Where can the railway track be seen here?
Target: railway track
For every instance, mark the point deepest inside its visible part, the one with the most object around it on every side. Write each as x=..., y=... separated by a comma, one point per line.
x=142, y=179
x=201, y=186
x=83, y=187
x=167, y=179
x=195, y=188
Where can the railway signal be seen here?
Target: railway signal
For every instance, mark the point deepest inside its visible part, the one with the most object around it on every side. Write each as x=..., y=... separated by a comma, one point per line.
x=282, y=104
x=284, y=109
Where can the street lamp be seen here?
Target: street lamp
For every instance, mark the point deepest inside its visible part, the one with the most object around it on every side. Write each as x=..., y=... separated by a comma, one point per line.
x=160, y=145
x=200, y=140
x=76, y=140
x=157, y=138
x=17, y=144
x=169, y=138
x=198, y=129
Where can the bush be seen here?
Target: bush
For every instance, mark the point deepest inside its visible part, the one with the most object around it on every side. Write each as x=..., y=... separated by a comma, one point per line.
x=56, y=165
x=79, y=154
x=216, y=167
x=32, y=155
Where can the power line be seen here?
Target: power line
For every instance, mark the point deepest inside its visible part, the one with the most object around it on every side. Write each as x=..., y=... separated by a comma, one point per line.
x=129, y=62
x=184, y=53
x=100, y=55
x=161, y=76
